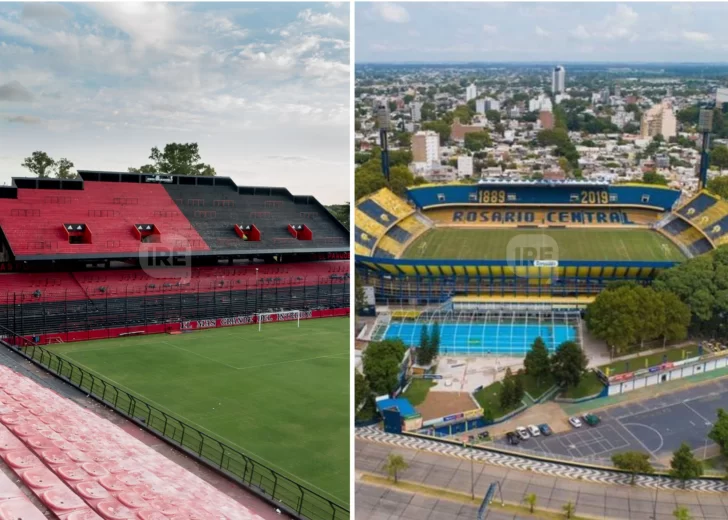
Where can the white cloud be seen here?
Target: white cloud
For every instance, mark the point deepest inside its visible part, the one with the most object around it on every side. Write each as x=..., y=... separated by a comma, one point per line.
x=542, y=32
x=23, y=120
x=581, y=33
x=322, y=19
x=14, y=92
x=490, y=29
x=620, y=24
x=695, y=36
x=392, y=12
x=45, y=12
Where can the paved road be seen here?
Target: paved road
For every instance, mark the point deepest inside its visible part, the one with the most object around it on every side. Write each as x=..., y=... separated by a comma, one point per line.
x=595, y=500
x=657, y=425
x=377, y=503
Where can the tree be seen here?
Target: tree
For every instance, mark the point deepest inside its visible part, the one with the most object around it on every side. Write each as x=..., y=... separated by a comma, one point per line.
x=394, y=465
x=493, y=116
x=400, y=178
x=682, y=513
x=719, y=186
x=508, y=391
x=475, y=141
x=63, y=169
x=441, y=127
x=177, y=159
x=684, y=466
x=652, y=177
x=40, y=164
x=634, y=462
x=381, y=361
x=537, y=362
x=569, y=364
x=341, y=212
x=518, y=389
x=569, y=509
x=435, y=340
x=531, y=499
x=424, y=353
x=362, y=391
x=677, y=317
x=719, y=431
x=358, y=294
x=719, y=156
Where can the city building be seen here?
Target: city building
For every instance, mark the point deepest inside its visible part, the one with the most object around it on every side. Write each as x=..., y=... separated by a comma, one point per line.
x=547, y=119
x=426, y=147
x=492, y=104
x=416, y=112
x=617, y=90
x=721, y=96
x=660, y=119
x=621, y=117
x=480, y=106
x=540, y=103
x=558, y=80
x=471, y=92
x=465, y=166
x=458, y=130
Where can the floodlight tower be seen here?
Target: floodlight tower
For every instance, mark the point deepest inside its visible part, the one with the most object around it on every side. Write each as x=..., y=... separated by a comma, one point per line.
x=705, y=126
x=383, y=123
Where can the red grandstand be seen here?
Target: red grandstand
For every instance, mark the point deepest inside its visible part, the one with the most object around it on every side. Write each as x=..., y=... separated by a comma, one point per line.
x=145, y=243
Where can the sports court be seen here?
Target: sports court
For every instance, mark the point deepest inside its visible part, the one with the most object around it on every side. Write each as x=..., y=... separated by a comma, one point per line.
x=573, y=244
x=467, y=333
x=279, y=395
x=658, y=426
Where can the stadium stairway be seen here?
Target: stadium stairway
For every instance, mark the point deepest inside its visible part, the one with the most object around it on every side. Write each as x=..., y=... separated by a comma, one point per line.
x=83, y=467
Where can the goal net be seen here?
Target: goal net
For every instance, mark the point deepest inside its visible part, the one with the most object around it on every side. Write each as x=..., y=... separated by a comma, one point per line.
x=274, y=317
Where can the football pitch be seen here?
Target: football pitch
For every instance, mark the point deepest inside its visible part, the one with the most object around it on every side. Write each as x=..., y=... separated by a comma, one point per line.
x=570, y=244
x=280, y=395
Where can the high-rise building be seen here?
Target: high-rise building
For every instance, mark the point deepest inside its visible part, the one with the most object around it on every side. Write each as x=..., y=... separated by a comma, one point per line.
x=416, y=112
x=492, y=104
x=480, y=106
x=426, y=147
x=471, y=92
x=660, y=119
x=547, y=119
x=558, y=80
x=617, y=90
x=465, y=166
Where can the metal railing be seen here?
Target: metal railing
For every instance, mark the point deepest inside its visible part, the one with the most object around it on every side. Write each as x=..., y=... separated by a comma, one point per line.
x=285, y=493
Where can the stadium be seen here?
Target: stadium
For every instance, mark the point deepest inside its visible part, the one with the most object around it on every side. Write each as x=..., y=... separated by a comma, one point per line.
x=497, y=264
x=212, y=315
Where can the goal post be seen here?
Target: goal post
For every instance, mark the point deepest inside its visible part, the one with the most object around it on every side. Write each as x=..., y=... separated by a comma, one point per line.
x=282, y=316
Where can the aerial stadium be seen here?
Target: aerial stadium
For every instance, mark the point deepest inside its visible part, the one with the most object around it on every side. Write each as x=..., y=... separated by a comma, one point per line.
x=212, y=315
x=498, y=264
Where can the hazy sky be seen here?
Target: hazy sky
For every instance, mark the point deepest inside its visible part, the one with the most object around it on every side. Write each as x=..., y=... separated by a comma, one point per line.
x=263, y=88
x=544, y=32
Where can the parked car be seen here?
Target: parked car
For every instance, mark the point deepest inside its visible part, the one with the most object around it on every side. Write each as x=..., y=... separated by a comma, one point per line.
x=545, y=429
x=575, y=422
x=512, y=438
x=591, y=419
x=533, y=430
x=522, y=433
x=484, y=436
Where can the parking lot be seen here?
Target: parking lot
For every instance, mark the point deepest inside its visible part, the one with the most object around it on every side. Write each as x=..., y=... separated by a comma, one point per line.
x=656, y=425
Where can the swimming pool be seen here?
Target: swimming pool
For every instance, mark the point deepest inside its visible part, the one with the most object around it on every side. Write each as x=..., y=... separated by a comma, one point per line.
x=486, y=338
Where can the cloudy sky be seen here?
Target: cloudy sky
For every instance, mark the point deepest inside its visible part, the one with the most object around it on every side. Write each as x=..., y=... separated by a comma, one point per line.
x=538, y=32
x=263, y=88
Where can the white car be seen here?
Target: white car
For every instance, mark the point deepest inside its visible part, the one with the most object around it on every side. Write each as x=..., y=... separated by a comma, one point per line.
x=533, y=430
x=522, y=433
x=575, y=422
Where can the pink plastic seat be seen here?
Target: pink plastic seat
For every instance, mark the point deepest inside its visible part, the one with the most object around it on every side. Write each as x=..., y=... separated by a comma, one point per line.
x=39, y=478
x=62, y=499
x=91, y=490
x=19, y=509
x=114, y=510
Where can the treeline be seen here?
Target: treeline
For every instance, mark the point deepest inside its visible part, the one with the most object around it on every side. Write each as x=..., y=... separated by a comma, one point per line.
x=690, y=298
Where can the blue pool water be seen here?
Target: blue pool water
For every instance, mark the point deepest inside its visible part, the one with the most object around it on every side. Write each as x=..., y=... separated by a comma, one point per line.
x=485, y=338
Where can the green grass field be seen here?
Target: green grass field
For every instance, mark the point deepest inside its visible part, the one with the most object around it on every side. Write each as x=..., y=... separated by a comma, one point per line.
x=572, y=244
x=280, y=395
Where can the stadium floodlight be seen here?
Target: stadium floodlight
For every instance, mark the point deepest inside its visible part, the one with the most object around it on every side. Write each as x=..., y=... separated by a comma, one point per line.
x=383, y=116
x=705, y=120
x=279, y=317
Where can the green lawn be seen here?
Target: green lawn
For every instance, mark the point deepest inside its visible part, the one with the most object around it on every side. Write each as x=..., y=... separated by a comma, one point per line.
x=489, y=400
x=630, y=365
x=536, y=388
x=571, y=244
x=280, y=395
x=590, y=384
x=417, y=391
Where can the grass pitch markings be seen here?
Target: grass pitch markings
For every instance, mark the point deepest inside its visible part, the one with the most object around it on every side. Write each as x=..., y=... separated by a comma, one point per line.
x=293, y=416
